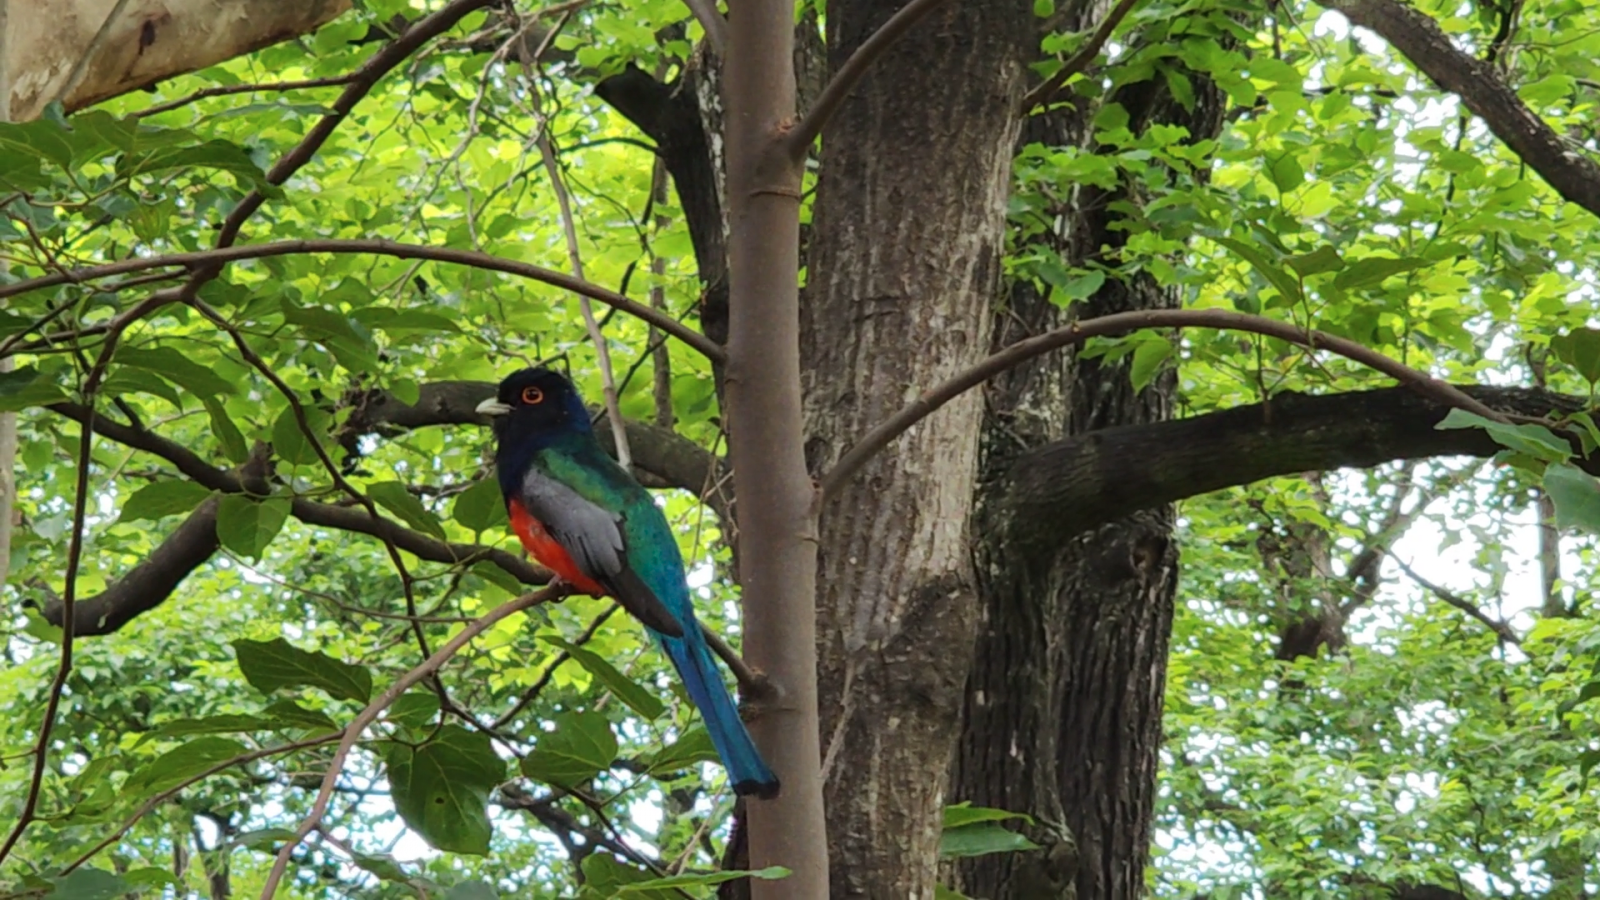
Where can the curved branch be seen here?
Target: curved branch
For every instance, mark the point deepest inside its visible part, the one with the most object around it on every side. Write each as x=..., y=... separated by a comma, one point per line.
x=1122, y=323
x=202, y=259
x=353, y=731
x=798, y=142
x=1080, y=60
x=1052, y=493
x=361, y=83
x=1563, y=166
x=673, y=461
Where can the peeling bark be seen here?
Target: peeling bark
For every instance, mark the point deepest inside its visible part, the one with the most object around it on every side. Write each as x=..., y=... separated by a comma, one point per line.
x=85, y=51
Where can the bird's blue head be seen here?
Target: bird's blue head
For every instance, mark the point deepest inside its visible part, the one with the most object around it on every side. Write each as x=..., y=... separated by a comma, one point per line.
x=533, y=409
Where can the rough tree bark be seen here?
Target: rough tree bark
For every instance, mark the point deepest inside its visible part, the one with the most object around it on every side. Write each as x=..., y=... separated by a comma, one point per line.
x=904, y=261
x=1063, y=710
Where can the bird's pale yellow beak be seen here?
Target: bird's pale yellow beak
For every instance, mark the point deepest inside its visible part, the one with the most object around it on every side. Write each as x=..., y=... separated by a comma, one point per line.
x=493, y=407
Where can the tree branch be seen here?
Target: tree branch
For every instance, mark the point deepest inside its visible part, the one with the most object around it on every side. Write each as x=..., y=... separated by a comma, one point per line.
x=1117, y=324
x=1501, y=629
x=798, y=142
x=673, y=460
x=353, y=731
x=1080, y=60
x=1574, y=176
x=1063, y=489
x=201, y=259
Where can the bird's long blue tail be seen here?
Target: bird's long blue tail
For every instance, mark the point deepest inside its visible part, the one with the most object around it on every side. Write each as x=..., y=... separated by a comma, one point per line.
x=703, y=680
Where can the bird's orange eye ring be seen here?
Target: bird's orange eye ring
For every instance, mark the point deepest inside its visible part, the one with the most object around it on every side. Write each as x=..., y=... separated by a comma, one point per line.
x=532, y=395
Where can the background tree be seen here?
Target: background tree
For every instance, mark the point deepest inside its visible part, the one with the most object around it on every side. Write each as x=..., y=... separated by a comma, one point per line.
x=250, y=317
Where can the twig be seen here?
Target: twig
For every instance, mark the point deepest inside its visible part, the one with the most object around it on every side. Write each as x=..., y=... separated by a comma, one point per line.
x=361, y=83
x=353, y=731
x=533, y=691
x=200, y=259
x=1121, y=323
x=227, y=89
x=602, y=352
x=1080, y=60
x=171, y=792
x=798, y=142
x=69, y=593
x=1502, y=629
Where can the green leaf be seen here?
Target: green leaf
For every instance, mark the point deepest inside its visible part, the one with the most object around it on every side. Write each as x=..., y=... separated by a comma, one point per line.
x=160, y=499
x=940, y=892
x=1323, y=259
x=626, y=689
x=128, y=380
x=1576, y=495
x=1279, y=278
x=220, y=724
x=87, y=884
x=215, y=154
x=1580, y=349
x=964, y=813
x=201, y=381
x=383, y=866
x=27, y=387
x=1587, y=760
x=1534, y=440
x=581, y=746
x=247, y=526
x=981, y=839
x=227, y=433
x=693, y=747
x=471, y=890
x=441, y=789
x=415, y=709
x=287, y=714
x=393, y=496
x=708, y=879
x=481, y=506
x=1081, y=286
x=384, y=318
x=1147, y=359
x=1286, y=173
x=1373, y=270
x=498, y=577
x=272, y=665
x=178, y=765
x=289, y=440
x=353, y=348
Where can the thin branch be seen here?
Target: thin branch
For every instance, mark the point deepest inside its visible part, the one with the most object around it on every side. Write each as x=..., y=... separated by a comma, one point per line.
x=69, y=594
x=1502, y=629
x=155, y=801
x=1121, y=323
x=798, y=142
x=201, y=259
x=353, y=731
x=569, y=228
x=1080, y=60
x=362, y=81
x=228, y=89
x=1564, y=166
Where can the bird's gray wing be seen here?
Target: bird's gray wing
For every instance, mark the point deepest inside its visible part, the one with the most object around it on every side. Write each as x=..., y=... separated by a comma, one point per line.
x=593, y=536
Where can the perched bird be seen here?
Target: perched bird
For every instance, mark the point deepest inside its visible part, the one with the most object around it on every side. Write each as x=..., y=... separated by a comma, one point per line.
x=584, y=517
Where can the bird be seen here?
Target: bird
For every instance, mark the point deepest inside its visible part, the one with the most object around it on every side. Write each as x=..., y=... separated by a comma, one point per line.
x=584, y=517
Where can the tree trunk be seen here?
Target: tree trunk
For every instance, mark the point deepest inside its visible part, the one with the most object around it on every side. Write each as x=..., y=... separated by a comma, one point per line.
x=904, y=265
x=1063, y=709
x=84, y=52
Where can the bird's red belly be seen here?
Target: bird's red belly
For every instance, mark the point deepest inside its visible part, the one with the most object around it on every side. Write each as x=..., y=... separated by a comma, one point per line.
x=548, y=552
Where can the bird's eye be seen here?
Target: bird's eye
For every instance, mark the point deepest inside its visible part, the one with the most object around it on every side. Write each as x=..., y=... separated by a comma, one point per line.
x=532, y=395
